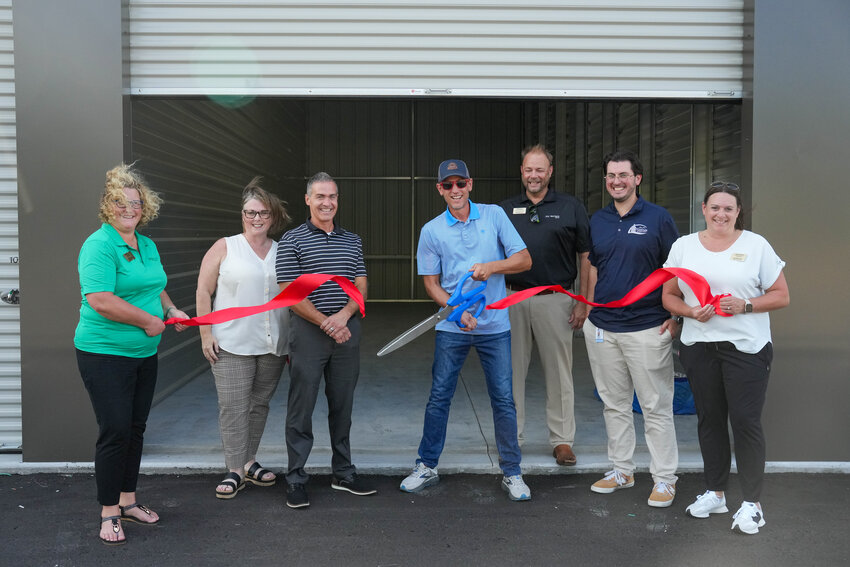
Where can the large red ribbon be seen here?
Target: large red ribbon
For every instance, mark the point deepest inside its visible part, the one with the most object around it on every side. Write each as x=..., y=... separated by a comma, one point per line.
x=652, y=282
x=294, y=293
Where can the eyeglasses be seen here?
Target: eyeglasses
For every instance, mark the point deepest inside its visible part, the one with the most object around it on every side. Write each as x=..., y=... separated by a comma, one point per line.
x=134, y=204
x=621, y=176
x=461, y=184
x=253, y=214
x=722, y=185
x=534, y=216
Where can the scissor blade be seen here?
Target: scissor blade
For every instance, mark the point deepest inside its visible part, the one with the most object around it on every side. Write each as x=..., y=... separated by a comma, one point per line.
x=416, y=330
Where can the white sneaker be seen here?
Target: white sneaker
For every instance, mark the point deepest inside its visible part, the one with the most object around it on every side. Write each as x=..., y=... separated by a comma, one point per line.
x=707, y=504
x=421, y=477
x=748, y=519
x=516, y=488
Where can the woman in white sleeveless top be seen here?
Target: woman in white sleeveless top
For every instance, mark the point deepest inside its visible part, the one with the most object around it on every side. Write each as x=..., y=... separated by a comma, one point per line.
x=247, y=355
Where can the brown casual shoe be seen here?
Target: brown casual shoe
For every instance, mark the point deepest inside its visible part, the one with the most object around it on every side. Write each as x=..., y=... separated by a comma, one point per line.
x=613, y=480
x=662, y=495
x=564, y=455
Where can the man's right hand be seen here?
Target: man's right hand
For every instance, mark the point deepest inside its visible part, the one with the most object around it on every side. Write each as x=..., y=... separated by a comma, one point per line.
x=578, y=315
x=468, y=321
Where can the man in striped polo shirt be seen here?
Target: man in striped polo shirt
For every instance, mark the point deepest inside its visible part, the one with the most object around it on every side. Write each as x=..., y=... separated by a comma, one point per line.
x=324, y=339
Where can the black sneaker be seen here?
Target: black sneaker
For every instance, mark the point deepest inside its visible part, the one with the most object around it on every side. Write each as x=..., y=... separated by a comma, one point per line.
x=296, y=495
x=353, y=484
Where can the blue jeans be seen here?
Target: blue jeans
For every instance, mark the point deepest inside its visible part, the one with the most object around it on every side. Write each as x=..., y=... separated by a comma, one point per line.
x=494, y=352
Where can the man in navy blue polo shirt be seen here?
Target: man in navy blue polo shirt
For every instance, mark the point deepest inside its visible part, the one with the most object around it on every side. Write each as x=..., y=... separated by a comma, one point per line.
x=630, y=348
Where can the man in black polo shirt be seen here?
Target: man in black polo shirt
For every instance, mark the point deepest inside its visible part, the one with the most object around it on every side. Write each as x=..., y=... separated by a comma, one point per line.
x=555, y=228
x=324, y=339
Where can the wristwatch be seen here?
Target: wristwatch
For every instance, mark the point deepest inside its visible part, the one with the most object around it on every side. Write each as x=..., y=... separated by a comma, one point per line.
x=748, y=306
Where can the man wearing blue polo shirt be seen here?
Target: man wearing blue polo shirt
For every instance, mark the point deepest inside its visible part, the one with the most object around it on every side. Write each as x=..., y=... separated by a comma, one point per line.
x=469, y=237
x=630, y=348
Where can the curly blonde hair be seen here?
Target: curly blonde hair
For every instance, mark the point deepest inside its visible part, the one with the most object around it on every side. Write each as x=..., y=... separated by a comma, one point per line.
x=280, y=218
x=117, y=179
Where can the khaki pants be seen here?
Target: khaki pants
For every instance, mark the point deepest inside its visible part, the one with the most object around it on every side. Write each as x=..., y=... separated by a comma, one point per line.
x=544, y=319
x=642, y=362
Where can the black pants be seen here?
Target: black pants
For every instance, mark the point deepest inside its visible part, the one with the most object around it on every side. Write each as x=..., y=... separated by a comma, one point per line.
x=121, y=391
x=729, y=386
x=314, y=355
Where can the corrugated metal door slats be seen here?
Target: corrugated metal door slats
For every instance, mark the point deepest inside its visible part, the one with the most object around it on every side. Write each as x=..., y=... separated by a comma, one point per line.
x=653, y=48
x=10, y=316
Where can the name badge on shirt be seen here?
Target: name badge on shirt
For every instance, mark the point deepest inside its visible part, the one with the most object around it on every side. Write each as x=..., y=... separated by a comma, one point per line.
x=519, y=210
x=129, y=256
x=599, y=337
x=738, y=257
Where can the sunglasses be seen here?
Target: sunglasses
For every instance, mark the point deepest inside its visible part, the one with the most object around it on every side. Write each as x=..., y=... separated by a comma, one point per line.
x=722, y=185
x=461, y=184
x=534, y=216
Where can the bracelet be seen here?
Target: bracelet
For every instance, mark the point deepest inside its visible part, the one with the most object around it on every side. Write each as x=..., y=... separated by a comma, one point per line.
x=167, y=311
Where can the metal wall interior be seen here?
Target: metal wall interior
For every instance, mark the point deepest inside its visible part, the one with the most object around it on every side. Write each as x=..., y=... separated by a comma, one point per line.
x=383, y=154
x=551, y=48
x=199, y=154
x=664, y=135
x=10, y=315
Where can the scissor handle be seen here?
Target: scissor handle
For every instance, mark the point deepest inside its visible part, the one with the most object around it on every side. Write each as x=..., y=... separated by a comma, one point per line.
x=464, y=301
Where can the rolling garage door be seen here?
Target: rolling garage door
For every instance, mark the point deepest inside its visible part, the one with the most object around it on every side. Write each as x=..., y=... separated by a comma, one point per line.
x=550, y=48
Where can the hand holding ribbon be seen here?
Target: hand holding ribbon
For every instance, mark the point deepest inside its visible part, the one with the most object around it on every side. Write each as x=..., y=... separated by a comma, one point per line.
x=652, y=282
x=296, y=292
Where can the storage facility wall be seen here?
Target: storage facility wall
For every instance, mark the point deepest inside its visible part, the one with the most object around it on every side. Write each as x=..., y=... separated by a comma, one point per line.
x=10, y=315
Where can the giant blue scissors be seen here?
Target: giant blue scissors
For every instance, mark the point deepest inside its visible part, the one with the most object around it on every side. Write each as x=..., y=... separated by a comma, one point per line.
x=458, y=303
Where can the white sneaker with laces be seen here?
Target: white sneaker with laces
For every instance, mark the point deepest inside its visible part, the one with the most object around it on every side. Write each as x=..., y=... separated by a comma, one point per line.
x=707, y=504
x=421, y=477
x=748, y=519
x=516, y=488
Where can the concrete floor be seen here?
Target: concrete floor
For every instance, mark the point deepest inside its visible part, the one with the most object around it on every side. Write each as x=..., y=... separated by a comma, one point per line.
x=387, y=422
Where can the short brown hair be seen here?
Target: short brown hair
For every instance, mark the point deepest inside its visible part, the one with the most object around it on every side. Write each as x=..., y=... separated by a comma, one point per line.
x=538, y=149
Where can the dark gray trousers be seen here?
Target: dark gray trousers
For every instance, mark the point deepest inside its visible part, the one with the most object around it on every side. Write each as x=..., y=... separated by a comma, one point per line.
x=729, y=387
x=314, y=355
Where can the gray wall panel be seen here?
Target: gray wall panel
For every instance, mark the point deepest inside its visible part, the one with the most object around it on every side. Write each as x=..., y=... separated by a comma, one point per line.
x=800, y=157
x=70, y=132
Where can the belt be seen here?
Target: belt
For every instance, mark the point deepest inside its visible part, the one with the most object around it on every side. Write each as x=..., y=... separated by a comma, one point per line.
x=521, y=288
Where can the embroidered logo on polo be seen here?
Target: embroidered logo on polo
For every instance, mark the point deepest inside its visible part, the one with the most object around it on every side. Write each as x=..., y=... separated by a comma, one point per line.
x=638, y=229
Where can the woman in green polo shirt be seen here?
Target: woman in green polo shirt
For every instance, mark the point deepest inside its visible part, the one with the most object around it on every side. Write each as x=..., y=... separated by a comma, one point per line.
x=121, y=319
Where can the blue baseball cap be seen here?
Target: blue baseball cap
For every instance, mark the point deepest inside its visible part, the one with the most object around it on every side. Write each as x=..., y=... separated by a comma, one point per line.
x=452, y=167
